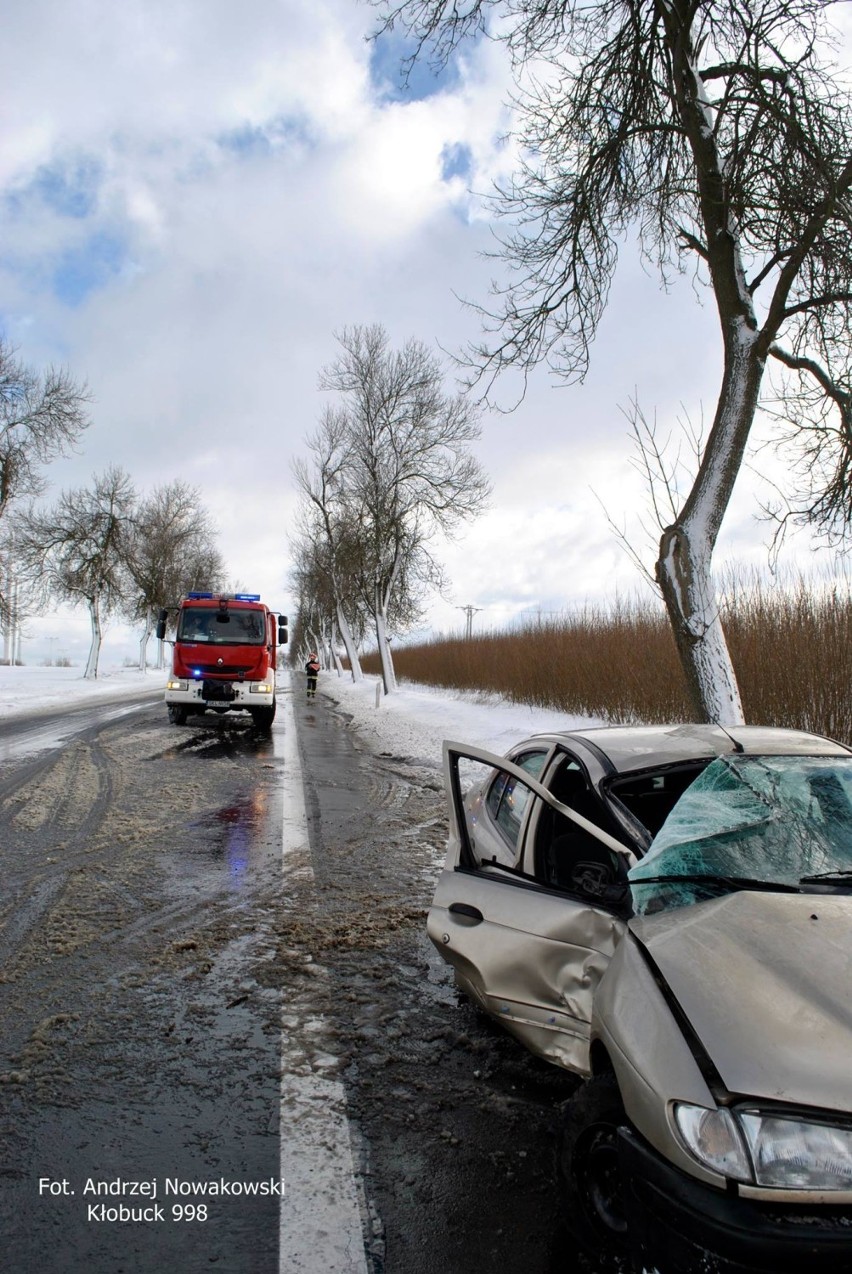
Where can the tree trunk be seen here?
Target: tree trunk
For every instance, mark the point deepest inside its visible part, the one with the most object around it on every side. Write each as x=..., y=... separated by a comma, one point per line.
x=349, y=644
x=143, y=641
x=686, y=548
x=686, y=582
x=95, y=648
x=335, y=656
x=388, y=673
x=315, y=644
x=327, y=642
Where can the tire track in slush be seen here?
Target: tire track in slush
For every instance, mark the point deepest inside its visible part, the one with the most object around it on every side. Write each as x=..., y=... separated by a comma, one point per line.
x=320, y=1219
x=27, y=915
x=72, y=791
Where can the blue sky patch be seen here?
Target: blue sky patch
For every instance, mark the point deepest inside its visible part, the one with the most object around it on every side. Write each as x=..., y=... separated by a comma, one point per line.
x=248, y=141
x=83, y=269
x=456, y=161
x=69, y=188
x=254, y=142
x=388, y=72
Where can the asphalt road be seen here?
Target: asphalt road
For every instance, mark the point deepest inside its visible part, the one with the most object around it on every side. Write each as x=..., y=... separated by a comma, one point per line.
x=141, y=872
x=152, y=949
x=455, y=1122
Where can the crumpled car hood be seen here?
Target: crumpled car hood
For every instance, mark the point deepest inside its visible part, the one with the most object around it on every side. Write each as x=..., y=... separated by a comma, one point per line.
x=766, y=983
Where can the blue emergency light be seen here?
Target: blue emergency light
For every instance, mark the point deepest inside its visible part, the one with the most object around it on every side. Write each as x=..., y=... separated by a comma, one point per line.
x=223, y=597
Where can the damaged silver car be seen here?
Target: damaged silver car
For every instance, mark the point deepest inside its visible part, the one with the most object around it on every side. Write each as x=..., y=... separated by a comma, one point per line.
x=667, y=912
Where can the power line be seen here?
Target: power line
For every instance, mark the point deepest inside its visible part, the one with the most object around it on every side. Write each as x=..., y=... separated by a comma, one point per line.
x=469, y=611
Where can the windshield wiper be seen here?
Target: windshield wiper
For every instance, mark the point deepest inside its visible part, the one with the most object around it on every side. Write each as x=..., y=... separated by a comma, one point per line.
x=825, y=875
x=732, y=882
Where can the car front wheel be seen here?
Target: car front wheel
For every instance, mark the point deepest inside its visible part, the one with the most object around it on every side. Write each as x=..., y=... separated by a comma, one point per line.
x=177, y=714
x=589, y=1170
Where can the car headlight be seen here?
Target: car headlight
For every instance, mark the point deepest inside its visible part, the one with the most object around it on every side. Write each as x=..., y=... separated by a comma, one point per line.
x=714, y=1139
x=779, y=1151
x=173, y=684
x=796, y=1154
x=260, y=688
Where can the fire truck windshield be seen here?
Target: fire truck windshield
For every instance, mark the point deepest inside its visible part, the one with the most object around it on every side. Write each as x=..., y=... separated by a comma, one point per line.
x=221, y=628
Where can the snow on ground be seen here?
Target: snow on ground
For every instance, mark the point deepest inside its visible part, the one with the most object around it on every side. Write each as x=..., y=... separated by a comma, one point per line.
x=412, y=722
x=415, y=720
x=27, y=689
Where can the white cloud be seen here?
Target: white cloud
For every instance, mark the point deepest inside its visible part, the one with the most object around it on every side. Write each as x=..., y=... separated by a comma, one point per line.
x=198, y=194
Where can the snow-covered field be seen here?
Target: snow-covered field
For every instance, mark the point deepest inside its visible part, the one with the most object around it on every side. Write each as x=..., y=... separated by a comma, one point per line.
x=412, y=722
x=415, y=720
x=27, y=689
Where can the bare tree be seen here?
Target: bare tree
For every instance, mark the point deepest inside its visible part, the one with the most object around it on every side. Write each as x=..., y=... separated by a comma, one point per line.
x=310, y=581
x=173, y=551
x=78, y=551
x=42, y=414
x=41, y=417
x=719, y=134
x=17, y=598
x=329, y=522
x=409, y=473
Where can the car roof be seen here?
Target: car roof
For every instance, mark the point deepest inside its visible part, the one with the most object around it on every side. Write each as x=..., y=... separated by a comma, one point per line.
x=628, y=747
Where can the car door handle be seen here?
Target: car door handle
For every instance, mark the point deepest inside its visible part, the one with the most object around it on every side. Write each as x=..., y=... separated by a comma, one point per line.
x=467, y=911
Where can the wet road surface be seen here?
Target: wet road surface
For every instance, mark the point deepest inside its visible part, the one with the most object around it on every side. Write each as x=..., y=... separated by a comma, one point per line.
x=141, y=871
x=452, y=1120
x=165, y=978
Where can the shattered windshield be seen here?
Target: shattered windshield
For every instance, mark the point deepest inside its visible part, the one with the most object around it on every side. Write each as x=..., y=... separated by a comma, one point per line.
x=756, y=820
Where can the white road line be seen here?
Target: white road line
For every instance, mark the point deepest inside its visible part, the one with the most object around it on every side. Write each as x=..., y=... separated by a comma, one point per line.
x=320, y=1220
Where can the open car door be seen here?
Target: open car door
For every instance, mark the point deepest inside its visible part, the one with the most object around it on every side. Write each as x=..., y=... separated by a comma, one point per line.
x=529, y=953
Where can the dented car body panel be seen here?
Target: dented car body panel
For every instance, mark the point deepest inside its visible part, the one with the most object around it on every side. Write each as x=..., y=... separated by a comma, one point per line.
x=533, y=963
x=648, y=1052
x=673, y=906
x=785, y=961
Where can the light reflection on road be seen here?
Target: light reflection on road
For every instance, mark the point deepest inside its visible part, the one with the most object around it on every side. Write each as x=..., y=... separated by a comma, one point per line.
x=240, y=824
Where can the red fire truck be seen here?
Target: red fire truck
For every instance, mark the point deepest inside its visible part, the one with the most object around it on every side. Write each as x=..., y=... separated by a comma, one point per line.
x=224, y=656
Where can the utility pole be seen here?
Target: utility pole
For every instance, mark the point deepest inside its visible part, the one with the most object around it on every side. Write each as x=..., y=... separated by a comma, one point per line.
x=469, y=611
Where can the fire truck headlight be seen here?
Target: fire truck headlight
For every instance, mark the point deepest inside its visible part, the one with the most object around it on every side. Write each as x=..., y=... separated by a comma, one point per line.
x=260, y=688
x=172, y=684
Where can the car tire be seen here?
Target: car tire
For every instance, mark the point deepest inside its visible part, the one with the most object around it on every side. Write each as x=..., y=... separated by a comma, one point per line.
x=263, y=717
x=590, y=1177
x=177, y=714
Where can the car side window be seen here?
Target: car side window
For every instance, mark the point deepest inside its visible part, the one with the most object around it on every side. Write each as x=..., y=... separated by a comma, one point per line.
x=507, y=799
x=568, y=856
x=495, y=793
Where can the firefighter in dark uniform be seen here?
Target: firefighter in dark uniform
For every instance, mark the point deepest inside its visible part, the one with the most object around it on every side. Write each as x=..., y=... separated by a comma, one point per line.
x=312, y=668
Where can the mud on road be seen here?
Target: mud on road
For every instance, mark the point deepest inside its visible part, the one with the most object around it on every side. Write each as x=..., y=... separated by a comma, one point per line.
x=151, y=944
x=455, y=1121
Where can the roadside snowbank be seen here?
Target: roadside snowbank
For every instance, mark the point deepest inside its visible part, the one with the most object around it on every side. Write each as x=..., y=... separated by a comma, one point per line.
x=24, y=690
x=415, y=720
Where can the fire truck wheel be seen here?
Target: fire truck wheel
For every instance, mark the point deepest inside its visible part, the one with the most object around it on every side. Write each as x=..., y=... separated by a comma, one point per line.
x=263, y=717
x=177, y=715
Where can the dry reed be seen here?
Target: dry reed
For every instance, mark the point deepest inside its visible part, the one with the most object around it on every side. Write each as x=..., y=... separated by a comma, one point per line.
x=791, y=643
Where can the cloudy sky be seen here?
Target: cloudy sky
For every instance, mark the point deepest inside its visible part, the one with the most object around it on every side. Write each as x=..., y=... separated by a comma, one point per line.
x=196, y=195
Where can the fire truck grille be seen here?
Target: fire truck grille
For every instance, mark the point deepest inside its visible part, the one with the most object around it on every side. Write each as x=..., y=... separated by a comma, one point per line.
x=219, y=670
x=217, y=691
